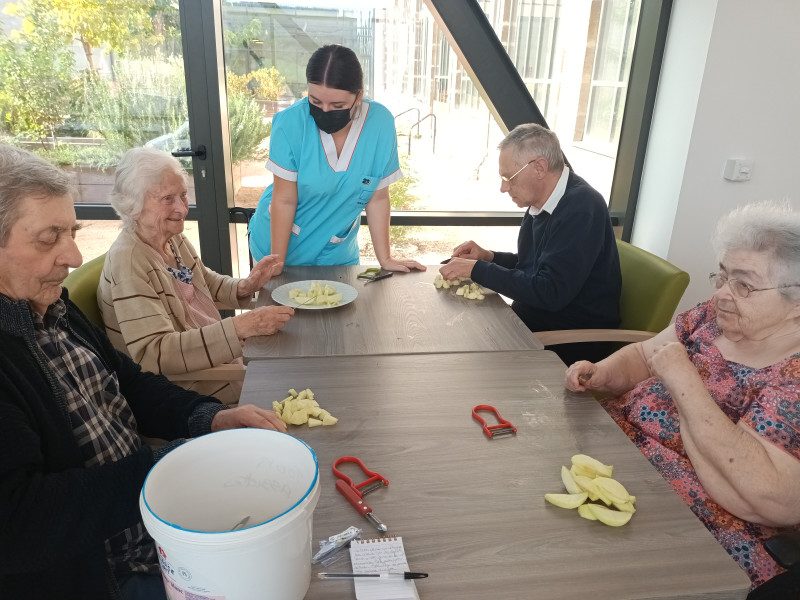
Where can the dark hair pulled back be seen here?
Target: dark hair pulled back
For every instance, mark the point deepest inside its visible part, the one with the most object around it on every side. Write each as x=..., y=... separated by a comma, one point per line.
x=335, y=67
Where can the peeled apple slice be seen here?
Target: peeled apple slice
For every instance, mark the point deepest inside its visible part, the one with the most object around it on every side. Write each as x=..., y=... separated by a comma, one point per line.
x=566, y=500
x=569, y=483
x=625, y=507
x=586, y=484
x=586, y=512
x=612, y=489
x=587, y=463
x=614, y=518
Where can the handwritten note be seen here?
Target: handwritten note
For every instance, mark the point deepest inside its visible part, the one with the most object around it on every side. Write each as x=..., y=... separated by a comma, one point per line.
x=381, y=555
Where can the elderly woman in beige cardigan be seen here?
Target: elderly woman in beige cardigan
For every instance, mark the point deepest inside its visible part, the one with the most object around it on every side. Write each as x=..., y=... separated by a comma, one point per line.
x=156, y=296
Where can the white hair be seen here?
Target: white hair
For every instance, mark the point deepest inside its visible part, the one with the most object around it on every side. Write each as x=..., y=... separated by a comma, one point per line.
x=138, y=170
x=529, y=141
x=772, y=227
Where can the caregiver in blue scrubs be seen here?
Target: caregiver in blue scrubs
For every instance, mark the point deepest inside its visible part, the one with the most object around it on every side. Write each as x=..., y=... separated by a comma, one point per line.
x=332, y=154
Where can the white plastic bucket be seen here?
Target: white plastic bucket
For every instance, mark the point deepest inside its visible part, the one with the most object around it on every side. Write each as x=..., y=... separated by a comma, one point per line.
x=194, y=496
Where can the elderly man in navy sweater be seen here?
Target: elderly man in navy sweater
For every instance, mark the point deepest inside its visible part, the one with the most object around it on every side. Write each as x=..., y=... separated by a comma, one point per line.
x=565, y=274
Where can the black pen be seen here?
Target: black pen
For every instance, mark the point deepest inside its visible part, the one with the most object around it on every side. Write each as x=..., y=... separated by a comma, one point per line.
x=406, y=575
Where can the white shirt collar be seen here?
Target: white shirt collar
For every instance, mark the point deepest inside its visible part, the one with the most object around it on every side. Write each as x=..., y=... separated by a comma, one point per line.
x=341, y=162
x=555, y=196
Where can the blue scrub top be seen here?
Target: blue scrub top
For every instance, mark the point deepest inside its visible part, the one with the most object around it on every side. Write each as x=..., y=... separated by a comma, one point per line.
x=331, y=191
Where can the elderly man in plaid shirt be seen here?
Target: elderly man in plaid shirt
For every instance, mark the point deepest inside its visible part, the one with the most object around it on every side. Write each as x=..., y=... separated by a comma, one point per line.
x=72, y=408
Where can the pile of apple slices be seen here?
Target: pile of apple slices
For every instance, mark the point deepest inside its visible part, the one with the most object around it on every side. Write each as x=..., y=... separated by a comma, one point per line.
x=588, y=483
x=322, y=295
x=301, y=408
x=440, y=282
x=472, y=291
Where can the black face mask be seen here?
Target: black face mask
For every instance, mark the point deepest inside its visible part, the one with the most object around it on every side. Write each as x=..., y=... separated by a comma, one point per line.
x=331, y=121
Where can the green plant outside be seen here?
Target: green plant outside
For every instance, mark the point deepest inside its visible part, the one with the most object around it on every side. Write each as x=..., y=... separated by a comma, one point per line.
x=42, y=97
x=35, y=77
x=262, y=84
x=248, y=131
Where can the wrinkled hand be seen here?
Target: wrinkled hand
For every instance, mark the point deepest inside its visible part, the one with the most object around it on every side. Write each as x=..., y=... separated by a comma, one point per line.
x=472, y=251
x=267, y=268
x=671, y=364
x=264, y=320
x=247, y=415
x=404, y=266
x=457, y=267
x=582, y=376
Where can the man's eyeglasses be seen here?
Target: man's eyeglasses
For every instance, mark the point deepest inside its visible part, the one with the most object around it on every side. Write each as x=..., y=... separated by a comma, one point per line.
x=508, y=179
x=740, y=289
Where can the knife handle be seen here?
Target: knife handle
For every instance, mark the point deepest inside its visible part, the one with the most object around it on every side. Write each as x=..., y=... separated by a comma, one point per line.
x=352, y=497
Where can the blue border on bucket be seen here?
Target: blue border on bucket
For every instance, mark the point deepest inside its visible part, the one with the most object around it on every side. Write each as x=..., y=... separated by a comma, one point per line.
x=227, y=431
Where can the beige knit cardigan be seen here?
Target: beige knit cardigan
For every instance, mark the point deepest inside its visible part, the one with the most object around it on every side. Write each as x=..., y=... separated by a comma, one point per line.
x=145, y=316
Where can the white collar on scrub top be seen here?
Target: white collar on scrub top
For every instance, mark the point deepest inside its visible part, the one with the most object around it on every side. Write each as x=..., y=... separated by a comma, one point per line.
x=342, y=162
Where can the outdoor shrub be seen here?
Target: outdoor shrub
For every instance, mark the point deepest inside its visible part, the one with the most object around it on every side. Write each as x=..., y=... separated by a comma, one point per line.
x=35, y=78
x=263, y=84
x=248, y=130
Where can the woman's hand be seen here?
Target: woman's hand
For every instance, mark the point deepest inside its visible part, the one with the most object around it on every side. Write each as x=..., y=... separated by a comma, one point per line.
x=247, y=415
x=583, y=375
x=671, y=364
x=267, y=268
x=264, y=320
x=404, y=266
x=472, y=251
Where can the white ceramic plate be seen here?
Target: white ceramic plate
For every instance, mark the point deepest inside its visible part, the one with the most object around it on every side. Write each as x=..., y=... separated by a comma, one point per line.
x=281, y=294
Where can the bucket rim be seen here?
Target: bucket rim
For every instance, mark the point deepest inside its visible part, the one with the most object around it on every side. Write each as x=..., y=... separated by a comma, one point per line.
x=226, y=431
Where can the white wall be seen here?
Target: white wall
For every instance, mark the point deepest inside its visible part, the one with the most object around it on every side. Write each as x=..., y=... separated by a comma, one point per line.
x=730, y=88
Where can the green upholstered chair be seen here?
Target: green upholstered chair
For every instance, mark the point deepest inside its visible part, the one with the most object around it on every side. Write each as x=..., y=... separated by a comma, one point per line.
x=651, y=290
x=82, y=285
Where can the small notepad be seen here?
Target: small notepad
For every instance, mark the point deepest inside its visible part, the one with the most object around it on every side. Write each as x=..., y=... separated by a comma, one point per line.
x=381, y=555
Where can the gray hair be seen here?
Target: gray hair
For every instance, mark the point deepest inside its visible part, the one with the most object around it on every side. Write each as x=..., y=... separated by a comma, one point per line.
x=24, y=175
x=772, y=227
x=138, y=170
x=529, y=141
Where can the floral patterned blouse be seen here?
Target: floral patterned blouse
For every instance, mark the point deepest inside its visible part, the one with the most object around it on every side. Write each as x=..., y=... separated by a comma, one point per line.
x=767, y=400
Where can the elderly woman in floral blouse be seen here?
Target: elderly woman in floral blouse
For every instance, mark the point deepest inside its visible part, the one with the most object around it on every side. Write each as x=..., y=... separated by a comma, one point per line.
x=713, y=401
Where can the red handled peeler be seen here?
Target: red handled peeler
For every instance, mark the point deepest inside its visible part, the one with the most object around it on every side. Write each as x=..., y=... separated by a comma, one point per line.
x=354, y=492
x=503, y=427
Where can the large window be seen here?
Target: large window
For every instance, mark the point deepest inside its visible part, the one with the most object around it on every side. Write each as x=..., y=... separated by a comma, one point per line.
x=123, y=86
x=447, y=138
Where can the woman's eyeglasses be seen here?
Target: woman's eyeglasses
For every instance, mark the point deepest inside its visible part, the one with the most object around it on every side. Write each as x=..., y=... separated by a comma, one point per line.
x=740, y=289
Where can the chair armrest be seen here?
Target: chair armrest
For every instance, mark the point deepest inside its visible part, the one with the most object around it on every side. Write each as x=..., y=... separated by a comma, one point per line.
x=785, y=549
x=232, y=372
x=571, y=336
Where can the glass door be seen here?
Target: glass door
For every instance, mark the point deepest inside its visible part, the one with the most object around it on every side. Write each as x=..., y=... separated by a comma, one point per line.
x=119, y=84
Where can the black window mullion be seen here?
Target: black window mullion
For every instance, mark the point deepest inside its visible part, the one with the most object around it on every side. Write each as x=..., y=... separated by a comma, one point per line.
x=201, y=28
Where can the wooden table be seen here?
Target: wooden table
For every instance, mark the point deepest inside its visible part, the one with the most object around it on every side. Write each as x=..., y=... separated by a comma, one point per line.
x=470, y=510
x=403, y=314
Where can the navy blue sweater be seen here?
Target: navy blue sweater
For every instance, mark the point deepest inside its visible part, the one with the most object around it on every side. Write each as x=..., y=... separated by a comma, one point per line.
x=54, y=512
x=566, y=274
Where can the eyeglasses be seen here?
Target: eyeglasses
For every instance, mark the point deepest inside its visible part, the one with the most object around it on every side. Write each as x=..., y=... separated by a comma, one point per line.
x=740, y=289
x=508, y=179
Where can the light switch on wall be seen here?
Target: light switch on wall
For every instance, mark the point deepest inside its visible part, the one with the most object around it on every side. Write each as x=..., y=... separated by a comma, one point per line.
x=738, y=169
